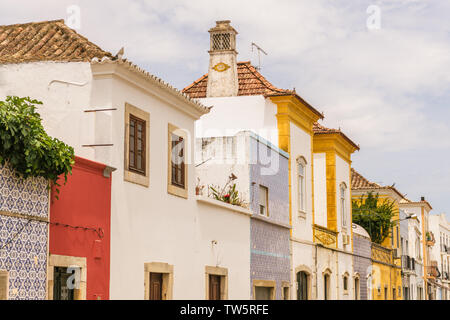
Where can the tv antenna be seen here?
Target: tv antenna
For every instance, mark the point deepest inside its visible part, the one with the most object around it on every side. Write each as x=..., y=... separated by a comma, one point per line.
x=254, y=45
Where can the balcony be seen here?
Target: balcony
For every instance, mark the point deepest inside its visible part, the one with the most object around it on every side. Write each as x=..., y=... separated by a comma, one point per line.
x=381, y=254
x=325, y=236
x=433, y=271
x=429, y=239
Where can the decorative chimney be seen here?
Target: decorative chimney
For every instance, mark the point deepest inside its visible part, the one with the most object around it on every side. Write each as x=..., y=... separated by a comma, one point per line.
x=222, y=74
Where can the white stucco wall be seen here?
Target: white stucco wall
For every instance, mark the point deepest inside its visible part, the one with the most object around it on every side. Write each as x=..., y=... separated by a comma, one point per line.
x=343, y=176
x=63, y=103
x=233, y=114
x=320, y=189
x=147, y=224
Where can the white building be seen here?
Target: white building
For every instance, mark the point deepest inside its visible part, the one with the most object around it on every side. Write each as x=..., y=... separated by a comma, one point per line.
x=165, y=239
x=244, y=100
x=440, y=252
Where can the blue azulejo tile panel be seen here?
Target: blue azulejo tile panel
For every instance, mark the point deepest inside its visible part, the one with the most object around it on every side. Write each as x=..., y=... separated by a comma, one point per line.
x=25, y=196
x=23, y=242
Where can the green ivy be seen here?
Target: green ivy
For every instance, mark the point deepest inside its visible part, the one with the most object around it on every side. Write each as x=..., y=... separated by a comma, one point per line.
x=374, y=216
x=25, y=145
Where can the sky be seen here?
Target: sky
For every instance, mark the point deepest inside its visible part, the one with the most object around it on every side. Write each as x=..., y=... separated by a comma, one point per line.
x=378, y=69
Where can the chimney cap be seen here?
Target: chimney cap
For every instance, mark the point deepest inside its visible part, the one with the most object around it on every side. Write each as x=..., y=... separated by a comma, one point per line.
x=223, y=26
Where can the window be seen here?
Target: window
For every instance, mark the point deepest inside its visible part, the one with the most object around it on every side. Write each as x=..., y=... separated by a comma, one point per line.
x=264, y=289
x=4, y=284
x=158, y=281
x=178, y=160
x=263, y=201
x=394, y=294
x=302, y=285
x=63, y=269
x=343, y=189
x=137, y=145
x=286, y=290
x=177, y=168
x=63, y=284
x=356, y=288
x=345, y=285
x=137, y=128
x=216, y=283
x=214, y=287
x=385, y=293
x=301, y=170
x=326, y=287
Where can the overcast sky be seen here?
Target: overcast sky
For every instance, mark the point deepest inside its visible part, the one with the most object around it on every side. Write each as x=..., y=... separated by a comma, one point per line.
x=388, y=88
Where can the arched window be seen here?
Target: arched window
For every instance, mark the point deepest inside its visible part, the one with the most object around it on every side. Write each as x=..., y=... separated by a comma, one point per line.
x=357, y=288
x=345, y=282
x=343, y=190
x=302, y=285
x=326, y=286
x=301, y=180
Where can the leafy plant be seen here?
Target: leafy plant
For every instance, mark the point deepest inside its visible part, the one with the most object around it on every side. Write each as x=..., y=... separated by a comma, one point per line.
x=228, y=195
x=374, y=216
x=25, y=145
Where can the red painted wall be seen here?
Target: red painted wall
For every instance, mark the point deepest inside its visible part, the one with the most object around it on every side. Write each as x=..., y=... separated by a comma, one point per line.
x=85, y=201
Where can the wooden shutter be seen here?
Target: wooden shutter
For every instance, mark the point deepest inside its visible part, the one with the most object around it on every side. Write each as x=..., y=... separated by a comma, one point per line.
x=4, y=285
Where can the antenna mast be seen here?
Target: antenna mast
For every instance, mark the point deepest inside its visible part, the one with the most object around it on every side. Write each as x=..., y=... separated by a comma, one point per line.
x=254, y=45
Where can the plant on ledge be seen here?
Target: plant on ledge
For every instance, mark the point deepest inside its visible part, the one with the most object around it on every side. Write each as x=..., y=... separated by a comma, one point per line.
x=25, y=145
x=374, y=216
x=228, y=193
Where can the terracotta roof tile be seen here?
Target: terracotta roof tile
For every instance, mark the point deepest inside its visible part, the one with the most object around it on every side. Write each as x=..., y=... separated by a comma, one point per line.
x=359, y=182
x=320, y=129
x=251, y=82
x=45, y=41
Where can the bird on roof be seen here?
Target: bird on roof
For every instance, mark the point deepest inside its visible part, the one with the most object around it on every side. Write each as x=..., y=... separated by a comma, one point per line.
x=119, y=54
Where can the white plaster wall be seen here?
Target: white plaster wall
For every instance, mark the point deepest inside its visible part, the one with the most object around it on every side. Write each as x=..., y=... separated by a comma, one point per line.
x=150, y=225
x=147, y=224
x=233, y=114
x=320, y=189
x=301, y=146
x=339, y=263
x=343, y=175
x=63, y=105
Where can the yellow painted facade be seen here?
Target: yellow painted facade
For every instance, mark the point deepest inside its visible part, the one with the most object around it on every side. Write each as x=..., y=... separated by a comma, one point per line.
x=386, y=270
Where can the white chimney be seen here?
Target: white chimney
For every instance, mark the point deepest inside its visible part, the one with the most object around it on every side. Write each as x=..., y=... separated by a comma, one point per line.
x=222, y=74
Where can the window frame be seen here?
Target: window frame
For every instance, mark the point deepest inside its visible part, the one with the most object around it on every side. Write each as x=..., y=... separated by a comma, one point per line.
x=143, y=151
x=4, y=275
x=301, y=185
x=266, y=205
x=67, y=261
x=217, y=271
x=174, y=189
x=130, y=174
x=271, y=284
x=167, y=279
x=343, y=203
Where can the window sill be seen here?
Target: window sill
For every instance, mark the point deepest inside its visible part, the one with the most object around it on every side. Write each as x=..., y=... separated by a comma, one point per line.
x=136, y=178
x=177, y=191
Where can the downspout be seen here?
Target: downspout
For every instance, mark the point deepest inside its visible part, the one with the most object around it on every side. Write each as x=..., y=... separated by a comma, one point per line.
x=317, y=275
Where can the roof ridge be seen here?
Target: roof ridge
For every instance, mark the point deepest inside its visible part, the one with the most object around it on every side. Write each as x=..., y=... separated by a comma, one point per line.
x=262, y=79
x=31, y=23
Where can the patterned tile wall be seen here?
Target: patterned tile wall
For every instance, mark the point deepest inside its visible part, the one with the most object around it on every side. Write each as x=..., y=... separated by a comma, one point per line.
x=23, y=242
x=361, y=262
x=269, y=243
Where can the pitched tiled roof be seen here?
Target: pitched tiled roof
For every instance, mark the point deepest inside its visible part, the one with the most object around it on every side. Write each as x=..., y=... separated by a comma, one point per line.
x=320, y=129
x=45, y=41
x=359, y=182
x=251, y=82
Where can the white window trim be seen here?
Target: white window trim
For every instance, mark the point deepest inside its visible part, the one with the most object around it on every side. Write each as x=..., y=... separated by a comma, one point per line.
x=343, y=204
x=301, y=197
